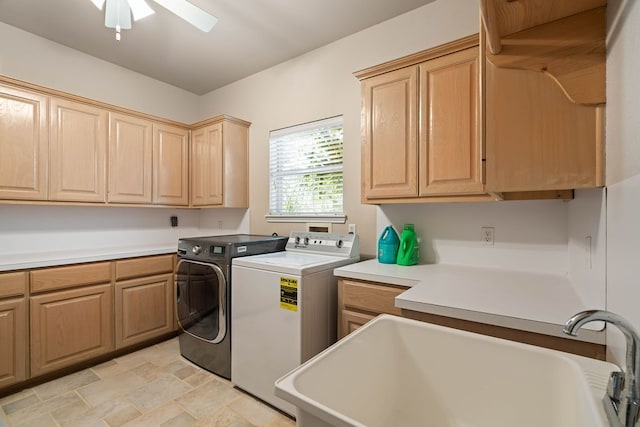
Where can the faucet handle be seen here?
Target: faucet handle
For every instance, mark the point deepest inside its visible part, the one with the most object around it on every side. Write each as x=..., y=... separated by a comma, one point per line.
x=615, y=385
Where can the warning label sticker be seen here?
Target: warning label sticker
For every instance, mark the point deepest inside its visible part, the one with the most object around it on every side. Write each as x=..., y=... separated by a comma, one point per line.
x=289, y=293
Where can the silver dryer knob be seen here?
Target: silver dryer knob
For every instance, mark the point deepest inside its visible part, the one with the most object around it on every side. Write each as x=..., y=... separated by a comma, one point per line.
x=196, y=250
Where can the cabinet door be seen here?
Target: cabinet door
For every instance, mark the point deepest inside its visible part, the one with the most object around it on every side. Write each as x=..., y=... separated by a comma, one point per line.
x=537, y=139
x=350, y=321
x=144, y=309
x=23, y=145
x=130, y=159
x=13, y=336
x=170, y=165
x=207, y=167
x=236, y=164
x=450, y=125
x=70, y=326
x=78, y=152
x=390, y=125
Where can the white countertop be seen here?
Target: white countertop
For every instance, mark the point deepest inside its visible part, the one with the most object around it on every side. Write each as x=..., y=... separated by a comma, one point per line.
x=527, y=301
x=48, y=259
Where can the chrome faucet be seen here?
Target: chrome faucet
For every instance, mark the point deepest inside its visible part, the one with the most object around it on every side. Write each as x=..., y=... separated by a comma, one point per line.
x=622, y=401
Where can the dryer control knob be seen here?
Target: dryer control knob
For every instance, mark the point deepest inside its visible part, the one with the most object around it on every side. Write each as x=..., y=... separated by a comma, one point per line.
x=306, y=241
x=339, y=243
x=196, y=250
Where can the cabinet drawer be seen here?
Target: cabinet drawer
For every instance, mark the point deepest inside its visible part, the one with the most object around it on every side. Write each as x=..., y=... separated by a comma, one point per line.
x=13, y=284
x=375, y=298
x=145, y=266
x=49, y=279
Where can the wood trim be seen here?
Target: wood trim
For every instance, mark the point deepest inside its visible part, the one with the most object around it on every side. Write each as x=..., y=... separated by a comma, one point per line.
x=416, y=58
x=21, y=84
x=488, y=14
x=219, y=119
x=13, y=284
x=539, y=195
x=48, y=279
x=582, y=348
x=144, y=266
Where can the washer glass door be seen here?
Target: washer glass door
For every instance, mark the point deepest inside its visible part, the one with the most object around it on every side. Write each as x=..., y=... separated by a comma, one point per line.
x=201, y=300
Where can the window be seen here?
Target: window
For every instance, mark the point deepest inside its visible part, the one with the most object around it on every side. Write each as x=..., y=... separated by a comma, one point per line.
x=305, y=172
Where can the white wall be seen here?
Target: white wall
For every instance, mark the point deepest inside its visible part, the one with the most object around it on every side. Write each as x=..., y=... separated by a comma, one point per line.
x=321, y=84
x=31, y=58
x=623, y=168
x=539, y=236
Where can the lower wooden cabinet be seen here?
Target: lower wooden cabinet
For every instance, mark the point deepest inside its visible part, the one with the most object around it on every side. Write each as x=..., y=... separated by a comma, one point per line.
x=70, y=326
x=13, y=347
x=359, y=302
x=143, y=309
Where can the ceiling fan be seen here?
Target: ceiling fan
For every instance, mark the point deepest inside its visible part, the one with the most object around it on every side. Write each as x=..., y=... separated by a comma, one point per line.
x=118, y=13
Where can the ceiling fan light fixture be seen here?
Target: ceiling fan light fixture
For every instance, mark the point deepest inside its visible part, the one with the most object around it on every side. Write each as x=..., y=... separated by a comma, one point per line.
x=190, y=13
x=140, y=9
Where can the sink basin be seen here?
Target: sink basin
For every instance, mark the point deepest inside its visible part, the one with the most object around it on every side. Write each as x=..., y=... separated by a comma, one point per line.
x=400, y=372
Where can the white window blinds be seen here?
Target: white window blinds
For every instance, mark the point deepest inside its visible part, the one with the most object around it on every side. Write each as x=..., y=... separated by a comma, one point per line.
x=305, y=165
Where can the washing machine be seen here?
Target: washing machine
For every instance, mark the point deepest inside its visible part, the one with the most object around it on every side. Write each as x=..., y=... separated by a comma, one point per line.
x=284, y=309
x=203, y=300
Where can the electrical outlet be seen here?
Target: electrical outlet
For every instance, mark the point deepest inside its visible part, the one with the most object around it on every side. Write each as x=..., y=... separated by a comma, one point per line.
x=352, y=228
x=487, y=236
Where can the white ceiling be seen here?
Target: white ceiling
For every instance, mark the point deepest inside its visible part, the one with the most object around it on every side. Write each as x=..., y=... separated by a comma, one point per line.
x=251, y=35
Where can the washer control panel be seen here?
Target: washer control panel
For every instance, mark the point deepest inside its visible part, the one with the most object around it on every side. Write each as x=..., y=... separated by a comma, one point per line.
x=334, y=244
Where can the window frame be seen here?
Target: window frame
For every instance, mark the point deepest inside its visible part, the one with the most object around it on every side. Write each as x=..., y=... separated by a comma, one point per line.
x=337, y=218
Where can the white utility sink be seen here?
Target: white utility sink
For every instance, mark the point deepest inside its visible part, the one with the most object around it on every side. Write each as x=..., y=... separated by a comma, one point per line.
x=400, y=372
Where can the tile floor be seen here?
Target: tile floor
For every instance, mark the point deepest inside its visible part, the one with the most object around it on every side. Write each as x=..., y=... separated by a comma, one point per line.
x=151, y=387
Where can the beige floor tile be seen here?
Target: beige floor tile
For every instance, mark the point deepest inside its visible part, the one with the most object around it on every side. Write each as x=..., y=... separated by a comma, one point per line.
x=44, y=420
x=199, y=378
x=207, y=398
x=158, y=416
x=28, y=414
x=16, y=405
x=67, y=383
x=281, y=421
x=16, y=396
x=122, y=416
x=157, y=393
x=110, y=388
x=151, y=387
x=224, y=417
x=182, y=420
x=185, y=372
x=254, y=411
x=108, y=369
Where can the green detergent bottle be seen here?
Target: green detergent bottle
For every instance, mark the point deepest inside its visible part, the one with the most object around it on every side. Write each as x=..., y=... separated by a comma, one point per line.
x=408, y=252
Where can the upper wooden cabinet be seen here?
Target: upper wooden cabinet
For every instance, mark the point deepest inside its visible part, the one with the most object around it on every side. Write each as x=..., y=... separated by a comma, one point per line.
x=63, y=148
x=545, y=95
x=422, y=127
x=219, y=163
x=24, y=144
x=170, y=165
x=537, y=139
x=130, y=159
x=78, y=147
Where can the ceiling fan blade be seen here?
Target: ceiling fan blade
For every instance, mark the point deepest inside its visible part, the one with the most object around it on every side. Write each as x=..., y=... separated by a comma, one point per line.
x=98, y=3
x=118, y=14
x=140, y=9
x=190, y=13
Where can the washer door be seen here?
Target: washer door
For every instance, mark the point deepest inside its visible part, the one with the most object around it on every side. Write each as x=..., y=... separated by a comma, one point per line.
x=201, y=300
